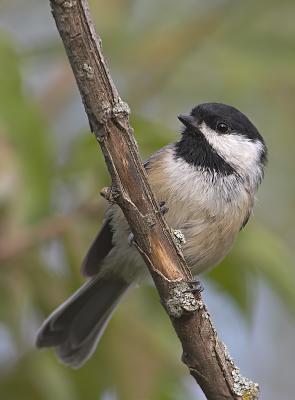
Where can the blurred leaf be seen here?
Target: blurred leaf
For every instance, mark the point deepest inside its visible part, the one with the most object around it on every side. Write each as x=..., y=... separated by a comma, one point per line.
x=260, y=252
x=266, y=254
x=150, y=136
x=233, y=280
x=174, y=39
x=38, y=380
x=85, y=164
x=21, y=121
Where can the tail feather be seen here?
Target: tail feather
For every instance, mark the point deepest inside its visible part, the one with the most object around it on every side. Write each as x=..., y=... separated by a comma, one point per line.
x=75, y=328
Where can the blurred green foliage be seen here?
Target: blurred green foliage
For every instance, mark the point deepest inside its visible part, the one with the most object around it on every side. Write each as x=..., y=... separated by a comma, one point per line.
x=26, y=130
x=165, y=57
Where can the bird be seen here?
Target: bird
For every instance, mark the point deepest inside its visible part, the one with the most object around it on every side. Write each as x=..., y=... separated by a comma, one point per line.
x=208, y=180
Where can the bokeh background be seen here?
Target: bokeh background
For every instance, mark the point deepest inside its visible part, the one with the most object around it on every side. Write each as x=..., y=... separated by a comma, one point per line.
x=165, y=56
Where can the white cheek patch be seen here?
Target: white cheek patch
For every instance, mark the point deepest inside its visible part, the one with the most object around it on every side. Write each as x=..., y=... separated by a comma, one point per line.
x=237, y=150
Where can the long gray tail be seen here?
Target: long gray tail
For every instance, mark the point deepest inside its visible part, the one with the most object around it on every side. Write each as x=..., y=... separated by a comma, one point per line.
x=75, y=327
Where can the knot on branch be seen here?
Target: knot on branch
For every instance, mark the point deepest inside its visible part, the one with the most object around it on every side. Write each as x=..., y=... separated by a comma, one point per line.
x=109, y=194
x=181, y=299
x=89, y=71
x=121, y=109
x=66, y=3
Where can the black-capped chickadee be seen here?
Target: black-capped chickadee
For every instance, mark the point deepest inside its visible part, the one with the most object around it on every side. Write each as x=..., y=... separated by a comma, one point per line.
x=208, y=180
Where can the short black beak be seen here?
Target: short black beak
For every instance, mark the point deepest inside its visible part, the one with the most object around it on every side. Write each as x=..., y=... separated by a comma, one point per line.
x=187, y=120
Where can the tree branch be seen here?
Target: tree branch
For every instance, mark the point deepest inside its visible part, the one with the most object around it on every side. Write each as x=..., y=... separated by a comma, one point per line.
x=108, y=115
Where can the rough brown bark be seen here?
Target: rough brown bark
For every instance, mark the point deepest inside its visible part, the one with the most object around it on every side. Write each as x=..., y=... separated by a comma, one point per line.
x=203, y=353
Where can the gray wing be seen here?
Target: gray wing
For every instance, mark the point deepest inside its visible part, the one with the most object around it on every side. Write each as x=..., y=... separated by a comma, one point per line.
x=102, y=244
x=99, y=249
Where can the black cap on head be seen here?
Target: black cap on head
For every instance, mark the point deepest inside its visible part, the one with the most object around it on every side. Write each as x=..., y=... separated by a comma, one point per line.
x=225, y=119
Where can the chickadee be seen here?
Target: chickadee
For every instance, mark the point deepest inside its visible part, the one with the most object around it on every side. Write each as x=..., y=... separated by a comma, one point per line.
x=208, y=180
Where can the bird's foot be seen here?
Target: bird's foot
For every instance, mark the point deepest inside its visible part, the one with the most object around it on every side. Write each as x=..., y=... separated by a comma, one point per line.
x=182, y=300
x=130, y=239
x=163, y=208
x=195, y=286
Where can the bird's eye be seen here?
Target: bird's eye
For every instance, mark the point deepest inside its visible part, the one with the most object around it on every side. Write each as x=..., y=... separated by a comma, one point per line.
x=222, y=127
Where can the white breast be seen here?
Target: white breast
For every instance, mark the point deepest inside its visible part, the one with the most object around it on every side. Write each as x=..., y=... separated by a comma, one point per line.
x=208, y=209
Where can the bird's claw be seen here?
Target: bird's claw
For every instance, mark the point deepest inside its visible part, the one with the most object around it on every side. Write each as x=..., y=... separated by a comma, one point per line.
x=130, y=239
x=195, y=287
x=163, y=208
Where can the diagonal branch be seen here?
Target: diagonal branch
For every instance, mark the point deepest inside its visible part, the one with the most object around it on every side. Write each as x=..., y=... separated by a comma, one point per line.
x=203, y=353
